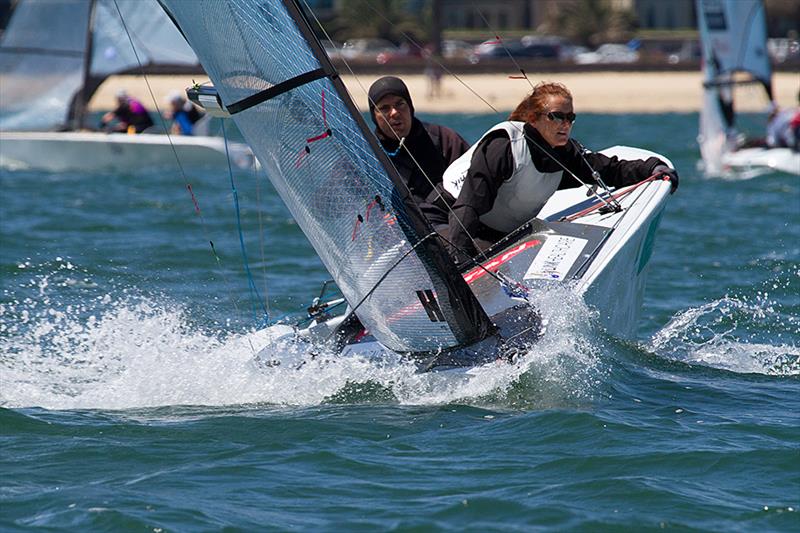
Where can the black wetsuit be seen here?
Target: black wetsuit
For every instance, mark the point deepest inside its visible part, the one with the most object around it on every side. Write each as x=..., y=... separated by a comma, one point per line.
x=133, y=115
x=433, y=148
x=493, y=163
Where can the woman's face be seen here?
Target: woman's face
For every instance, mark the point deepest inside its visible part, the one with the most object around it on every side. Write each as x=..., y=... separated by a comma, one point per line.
x=555, y=122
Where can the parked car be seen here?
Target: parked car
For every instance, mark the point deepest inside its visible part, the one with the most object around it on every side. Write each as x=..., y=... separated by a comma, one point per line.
x=366, y=48
x=608, y=53
x=570, y=51
x=688, y=51
x=332, y=48
x=453, y=49
x=403, y=52
x=782, y=50
x=523, y=48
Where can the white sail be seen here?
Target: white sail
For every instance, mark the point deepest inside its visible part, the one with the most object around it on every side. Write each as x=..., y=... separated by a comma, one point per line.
x=733, y=36
x=292, y=108
x=46, y=46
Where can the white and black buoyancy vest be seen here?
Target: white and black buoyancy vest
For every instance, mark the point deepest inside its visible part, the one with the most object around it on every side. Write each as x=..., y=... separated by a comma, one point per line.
x=520, y=197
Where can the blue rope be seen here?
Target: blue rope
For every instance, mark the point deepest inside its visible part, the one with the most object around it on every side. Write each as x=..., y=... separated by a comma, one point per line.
x=399, y=146
x=250, y=282
x=392, y=154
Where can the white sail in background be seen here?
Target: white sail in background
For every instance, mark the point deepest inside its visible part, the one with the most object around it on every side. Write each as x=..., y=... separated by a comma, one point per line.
x=45, y=49
x=734, y=36
x=287, y=100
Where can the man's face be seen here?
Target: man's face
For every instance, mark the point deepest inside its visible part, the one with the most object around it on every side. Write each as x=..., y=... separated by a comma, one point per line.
x=393, y=116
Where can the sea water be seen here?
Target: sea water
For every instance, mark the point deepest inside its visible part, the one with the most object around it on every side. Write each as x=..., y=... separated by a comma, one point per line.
x=130, y=398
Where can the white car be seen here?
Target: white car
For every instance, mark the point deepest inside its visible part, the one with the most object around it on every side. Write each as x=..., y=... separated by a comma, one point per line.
x=608, y=53
x=366, y=48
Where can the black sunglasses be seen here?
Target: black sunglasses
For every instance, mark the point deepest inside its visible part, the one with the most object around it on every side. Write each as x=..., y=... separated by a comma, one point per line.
x=559, y=116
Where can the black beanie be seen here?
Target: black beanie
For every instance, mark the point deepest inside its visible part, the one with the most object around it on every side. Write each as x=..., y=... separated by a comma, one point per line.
x=388, y=85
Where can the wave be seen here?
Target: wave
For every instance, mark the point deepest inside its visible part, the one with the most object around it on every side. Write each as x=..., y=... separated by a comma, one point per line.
x=125, y=350
x=736, y=333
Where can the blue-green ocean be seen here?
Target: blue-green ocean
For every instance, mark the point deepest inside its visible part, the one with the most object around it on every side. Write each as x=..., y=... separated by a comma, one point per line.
x=130, y=401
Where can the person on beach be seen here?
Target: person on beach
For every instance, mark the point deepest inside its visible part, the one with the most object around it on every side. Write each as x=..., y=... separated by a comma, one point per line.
x=130, y=116
x=505, y=179
x=183, y=114
x=419, y=150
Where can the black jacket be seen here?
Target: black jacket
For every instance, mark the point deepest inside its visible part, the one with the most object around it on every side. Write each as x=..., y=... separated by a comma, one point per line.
x=433, y=148
x=493, y=163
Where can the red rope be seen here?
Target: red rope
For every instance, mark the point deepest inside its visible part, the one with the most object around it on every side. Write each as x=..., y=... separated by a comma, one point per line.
x=306, y=150
x=617, y=196
x=194, y=200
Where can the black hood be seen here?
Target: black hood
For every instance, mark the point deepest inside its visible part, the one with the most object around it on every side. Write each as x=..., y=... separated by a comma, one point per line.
x=388, y=85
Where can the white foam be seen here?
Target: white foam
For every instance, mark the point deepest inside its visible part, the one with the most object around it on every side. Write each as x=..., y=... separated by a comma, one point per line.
x=120, y=352
x=718, y=334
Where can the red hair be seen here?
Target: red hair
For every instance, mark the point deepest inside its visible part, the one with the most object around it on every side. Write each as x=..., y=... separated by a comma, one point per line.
x=534, y=104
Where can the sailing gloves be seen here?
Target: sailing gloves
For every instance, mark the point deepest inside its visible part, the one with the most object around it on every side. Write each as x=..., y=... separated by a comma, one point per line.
x=669, y=173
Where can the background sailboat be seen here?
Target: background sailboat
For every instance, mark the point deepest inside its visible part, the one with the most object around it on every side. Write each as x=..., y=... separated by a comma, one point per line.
x=53, y=57
x=734, y=44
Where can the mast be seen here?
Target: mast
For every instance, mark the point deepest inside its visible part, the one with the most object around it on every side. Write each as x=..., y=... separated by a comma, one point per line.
x=77, y=113
x=273, y=77
x=473, y=323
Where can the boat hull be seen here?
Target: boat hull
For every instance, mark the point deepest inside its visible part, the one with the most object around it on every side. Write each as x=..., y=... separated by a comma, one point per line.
x=766, y=159
x=602, y=257
x=95, y=152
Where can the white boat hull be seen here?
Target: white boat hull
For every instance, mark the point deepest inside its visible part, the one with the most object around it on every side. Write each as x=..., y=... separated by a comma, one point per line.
x=766, y=159
x=602, y=257
x=94, y=152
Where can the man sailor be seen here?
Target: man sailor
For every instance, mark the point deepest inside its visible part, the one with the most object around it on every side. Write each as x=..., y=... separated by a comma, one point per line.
x=420, y=151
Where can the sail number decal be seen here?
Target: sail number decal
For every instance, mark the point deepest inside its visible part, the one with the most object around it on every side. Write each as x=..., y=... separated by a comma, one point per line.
x=430, y=305
x=556, y=257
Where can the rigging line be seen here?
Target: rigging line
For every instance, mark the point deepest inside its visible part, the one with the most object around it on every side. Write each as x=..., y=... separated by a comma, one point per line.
x=177, y=159
x=361, y=85
x=502, y=279
x=527, y=137
x=411, y=40
x=261, y=243
x=380, y=280
x=615, y=197
x=250, y=282
x=503, y=44
x=466, y=85
x=595, y=174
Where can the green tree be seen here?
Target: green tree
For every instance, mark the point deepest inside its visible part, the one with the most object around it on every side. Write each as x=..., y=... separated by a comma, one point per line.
x=386, y=19
x=591, y=22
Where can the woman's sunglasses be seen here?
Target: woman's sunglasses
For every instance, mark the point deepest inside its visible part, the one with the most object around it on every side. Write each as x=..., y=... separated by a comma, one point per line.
x=560, y=117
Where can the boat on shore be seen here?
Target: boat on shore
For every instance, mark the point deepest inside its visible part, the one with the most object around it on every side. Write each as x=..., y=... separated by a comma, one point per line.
x=54, y=56
x=404, y=293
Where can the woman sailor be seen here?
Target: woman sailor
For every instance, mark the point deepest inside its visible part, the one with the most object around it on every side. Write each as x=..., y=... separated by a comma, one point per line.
x=509, y=174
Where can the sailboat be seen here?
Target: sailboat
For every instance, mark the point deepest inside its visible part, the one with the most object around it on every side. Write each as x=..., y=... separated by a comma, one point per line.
x=271, y=75
x=53, y=57
x=734, y=44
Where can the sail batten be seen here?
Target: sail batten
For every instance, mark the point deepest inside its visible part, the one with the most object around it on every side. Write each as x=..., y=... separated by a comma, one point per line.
x=328, y=169
x=275, y=90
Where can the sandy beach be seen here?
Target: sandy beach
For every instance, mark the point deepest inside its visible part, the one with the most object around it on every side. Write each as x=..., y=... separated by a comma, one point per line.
x=597, y=92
